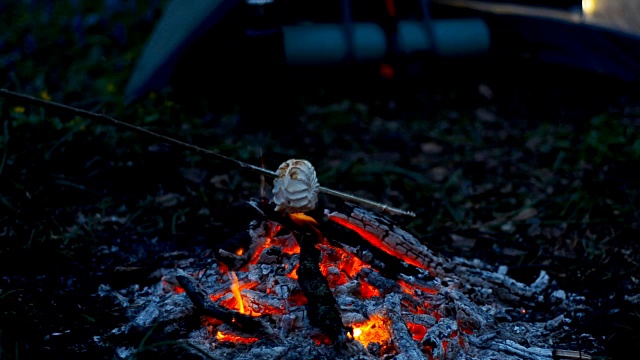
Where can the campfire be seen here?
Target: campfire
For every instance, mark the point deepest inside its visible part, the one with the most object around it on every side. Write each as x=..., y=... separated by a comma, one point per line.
x=261, y=298
x=348, y=284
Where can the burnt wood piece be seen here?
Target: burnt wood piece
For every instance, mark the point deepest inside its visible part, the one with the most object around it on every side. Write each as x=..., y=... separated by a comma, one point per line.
x=468, y=275
x=207, y=307
x=384, y=234
x=322, y=306
x=407, y=347
x=437, y=335
x=226, y=251
x=388, y=265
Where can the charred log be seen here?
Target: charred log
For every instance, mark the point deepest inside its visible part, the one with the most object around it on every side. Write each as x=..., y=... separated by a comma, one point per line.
x=473, y=276
x=407, y=348
x=322, y=307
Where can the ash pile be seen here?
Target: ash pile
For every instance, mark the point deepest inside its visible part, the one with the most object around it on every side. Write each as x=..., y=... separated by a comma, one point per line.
x=348, y=284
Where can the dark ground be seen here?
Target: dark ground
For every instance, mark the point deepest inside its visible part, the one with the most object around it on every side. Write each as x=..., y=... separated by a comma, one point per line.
x=532, y=167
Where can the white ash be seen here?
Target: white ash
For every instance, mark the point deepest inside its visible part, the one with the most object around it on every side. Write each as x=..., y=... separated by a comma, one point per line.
x=458, y=326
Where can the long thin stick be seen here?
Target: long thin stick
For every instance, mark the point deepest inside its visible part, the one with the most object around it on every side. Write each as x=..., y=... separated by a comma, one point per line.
x=50, y=105
x=54, y=106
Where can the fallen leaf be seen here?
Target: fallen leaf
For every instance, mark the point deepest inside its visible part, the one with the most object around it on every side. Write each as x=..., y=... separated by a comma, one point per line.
x=462, y=242
x=513, y=252
x=439, y=173
x=525, y=214
x=431, y=148
x=168, y=200
x=220, y=181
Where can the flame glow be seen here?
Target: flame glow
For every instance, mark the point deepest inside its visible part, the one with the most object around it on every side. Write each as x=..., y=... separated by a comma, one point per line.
x=334, y=258
x=339, y=266
x=374, y=330
x=235, y=288
x=301, y=219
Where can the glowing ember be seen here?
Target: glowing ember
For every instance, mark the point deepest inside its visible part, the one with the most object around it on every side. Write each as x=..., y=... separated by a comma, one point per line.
x=297, y=299
x=374, y=330
x=215, y=297
x=258, y=252
x=464, y=328
x=171, y=286
x=294, y=273
x=234, y=338
x=417, y=331
x=288, y=244
x=321, y=339
x=338, y=265
x=367, y=290
x=375, y=241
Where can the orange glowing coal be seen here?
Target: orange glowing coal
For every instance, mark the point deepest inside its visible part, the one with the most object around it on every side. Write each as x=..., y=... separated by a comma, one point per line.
x=375, y=241
x=367, y=290
x=288, y=244
x=339, y=266
x=321, y=339
x=172, y=286
x=256, y=255
x=411, y=288
x=374, y=330
x=221, y=336
x=236, y=302
x=417, y=331
x=336, y=258
x=294, y=273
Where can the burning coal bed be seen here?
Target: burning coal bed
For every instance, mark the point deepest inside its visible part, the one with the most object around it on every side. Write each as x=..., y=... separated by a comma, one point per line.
x=352, y=285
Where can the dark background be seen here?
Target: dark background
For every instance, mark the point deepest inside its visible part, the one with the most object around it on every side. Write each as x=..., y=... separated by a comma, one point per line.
x=531, y=165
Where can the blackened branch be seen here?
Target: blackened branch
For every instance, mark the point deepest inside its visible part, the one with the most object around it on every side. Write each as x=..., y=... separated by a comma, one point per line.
x=322, y=306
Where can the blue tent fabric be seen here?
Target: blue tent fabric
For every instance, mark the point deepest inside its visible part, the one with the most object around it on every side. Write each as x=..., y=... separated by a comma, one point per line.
x=546, y=39
x=183, y=22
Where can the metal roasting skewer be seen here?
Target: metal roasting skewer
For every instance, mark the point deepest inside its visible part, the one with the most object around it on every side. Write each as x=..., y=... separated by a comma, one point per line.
x=54, y=106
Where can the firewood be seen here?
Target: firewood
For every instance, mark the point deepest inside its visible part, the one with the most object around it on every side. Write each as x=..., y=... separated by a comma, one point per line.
x=314, y=293
x=321, y=307
x=407, y=347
